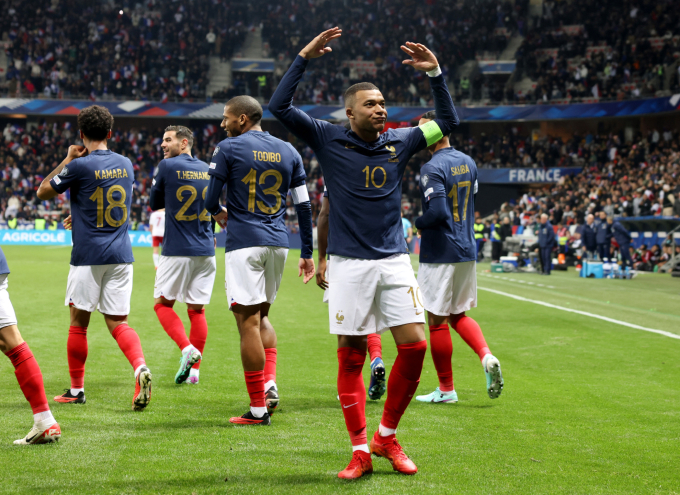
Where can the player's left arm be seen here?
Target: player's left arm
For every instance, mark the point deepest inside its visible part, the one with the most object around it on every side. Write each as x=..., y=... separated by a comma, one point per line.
x=447, y=118
x=433, y=186
x=298, y=190
x=59, y=181
x=157, y=193
x=219, y=173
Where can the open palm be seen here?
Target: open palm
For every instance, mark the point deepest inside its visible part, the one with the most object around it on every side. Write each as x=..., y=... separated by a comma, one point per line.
x=317, y=47
x=421, y=57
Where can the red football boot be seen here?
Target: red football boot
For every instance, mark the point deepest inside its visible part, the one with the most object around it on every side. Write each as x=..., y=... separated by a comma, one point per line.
x=249, y=419
x=389, y=448
x=360, y=465
x=142, y=390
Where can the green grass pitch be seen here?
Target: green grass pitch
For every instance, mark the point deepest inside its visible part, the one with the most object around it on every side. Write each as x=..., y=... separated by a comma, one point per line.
x=588, y=407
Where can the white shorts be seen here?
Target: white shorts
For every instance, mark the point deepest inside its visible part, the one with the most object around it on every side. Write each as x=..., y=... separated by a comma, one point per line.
x=370, y=322
x=369, y=296
x=7, y=315
x=448, y=288
x=253, y=275
x=187, y=279
x=107, y=288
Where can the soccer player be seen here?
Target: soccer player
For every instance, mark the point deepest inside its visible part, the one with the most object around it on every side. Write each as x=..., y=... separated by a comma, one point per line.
x=157, y=224
x=448, y=255
x=377, y=387
x=100, y=276
x=186, y=270
x=370, y=270
x=258, y=170
x=45, y=428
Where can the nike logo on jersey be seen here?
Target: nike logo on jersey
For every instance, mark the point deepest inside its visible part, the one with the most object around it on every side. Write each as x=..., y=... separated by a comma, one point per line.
x=345, y=407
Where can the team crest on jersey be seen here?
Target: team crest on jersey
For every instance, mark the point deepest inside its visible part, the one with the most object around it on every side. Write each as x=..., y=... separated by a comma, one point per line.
x=217, y=150
x=425, y=179
x=393, y=156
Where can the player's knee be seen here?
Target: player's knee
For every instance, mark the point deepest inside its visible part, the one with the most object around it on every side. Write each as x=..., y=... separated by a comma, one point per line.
x=9, y=338
x=164, y=302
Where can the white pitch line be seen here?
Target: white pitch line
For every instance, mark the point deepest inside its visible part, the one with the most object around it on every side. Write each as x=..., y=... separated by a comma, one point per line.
x=584, y=313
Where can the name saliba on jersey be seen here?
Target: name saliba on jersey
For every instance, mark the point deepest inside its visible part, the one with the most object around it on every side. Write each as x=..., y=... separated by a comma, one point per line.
x=460, y=169
x=116, y=173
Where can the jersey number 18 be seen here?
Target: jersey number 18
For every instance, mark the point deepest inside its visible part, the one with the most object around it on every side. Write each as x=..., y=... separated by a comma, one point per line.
x=98, y=197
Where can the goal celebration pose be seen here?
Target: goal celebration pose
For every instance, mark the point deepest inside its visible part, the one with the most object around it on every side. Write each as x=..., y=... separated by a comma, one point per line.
x=100, y=277
x=370, y=271
x=186, y=269
x=45, y=427
x=447, y=272
x=258, y=170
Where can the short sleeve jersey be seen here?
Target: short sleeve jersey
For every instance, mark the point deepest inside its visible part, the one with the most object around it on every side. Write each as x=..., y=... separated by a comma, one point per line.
x=183, y=182
x=101, y=196
x=258, y=169
x=452, y=175
x=157, y=223
x=4, y=267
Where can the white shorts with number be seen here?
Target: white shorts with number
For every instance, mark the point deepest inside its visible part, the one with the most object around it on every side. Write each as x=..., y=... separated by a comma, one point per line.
x=7, y=315
x=369, y=296
x=448, y=288
x=253, y=275
x=107, y=288
x=186, y=279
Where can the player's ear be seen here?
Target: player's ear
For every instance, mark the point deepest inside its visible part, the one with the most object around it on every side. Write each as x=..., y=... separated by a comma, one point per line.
x=349, y=113
x=108, y=135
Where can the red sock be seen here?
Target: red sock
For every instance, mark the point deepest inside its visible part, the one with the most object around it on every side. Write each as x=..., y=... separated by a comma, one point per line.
x=352, y=392
x=270, y=364
x=469, y=331
x=29, y=377
x=255, y=386
x=403, y=381
x=172, y=325
x=199, y=331
x=442, y=350
x=129, y=343
x=76, y=349
x=374, y=346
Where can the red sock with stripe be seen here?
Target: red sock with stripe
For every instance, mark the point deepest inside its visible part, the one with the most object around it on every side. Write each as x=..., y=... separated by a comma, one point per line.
x=255, y=386
x=129, y=343
x=172, y=325
x=270, y=365
x=199, y=331
x=352, y=392
x=76, y=350
x=469, y=331
x=374, y=346
x=29, y=377
x=403, y=381
x=441, y=349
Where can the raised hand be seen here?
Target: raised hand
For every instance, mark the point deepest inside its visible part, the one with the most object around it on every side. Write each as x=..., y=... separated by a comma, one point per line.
x=421, y=57
x=76, y=151
x=317, y=47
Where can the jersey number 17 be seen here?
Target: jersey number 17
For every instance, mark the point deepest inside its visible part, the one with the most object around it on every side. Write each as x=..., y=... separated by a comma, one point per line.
x=453, y=193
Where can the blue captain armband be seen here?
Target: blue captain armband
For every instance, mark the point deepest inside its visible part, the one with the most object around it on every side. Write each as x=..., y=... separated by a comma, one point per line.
x=432, y=132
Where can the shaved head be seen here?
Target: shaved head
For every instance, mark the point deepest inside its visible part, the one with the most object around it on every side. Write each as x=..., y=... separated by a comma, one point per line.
x=246, y=105
x=351, y=92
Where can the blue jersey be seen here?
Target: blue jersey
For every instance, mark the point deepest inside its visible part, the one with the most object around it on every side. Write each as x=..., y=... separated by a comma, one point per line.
x=4, y=267
x=179, y=186
x=101, y=196
x=453, y=175
x=258, y=169
x=363, y=178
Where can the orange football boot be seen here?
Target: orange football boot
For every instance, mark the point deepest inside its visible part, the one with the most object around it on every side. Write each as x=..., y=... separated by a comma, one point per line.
x=360, y=465
x=142, y=390
x=389, y=448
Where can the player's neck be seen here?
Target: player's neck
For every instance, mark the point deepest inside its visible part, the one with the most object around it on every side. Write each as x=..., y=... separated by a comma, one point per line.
x=444, y=143
x=364, y=135
x=251, y=128
x=95, y=145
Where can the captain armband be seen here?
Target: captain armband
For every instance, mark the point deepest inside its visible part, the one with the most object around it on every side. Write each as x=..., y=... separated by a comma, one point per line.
x=299, y=194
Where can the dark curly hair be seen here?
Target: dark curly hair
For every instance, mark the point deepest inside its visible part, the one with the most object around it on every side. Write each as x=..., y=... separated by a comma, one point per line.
x=431, y=115
x=95, y=122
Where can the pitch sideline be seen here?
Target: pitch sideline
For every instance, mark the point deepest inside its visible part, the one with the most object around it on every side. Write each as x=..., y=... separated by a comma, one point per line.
x=583, y=313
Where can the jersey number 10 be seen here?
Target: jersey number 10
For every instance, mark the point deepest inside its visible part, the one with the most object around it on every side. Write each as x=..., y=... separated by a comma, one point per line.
x=98, y=197
x=454, y=195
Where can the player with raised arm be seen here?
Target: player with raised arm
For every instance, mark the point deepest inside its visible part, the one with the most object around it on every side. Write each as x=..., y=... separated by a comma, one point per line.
x=100, y=277
x=377, y=386
x=258, y=170
x=45, y=428
x=157, y=224
x=370, y=271
x=448, y=255
x=186, y=270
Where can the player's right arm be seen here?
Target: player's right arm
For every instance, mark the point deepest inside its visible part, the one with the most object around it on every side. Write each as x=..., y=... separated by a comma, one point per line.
x=322, y=240
x=157, y=193
x=59, y=181
x=433, y=186
x=219, y=173
x=312, y=131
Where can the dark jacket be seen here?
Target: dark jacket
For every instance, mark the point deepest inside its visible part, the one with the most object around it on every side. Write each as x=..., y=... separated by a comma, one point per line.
x=602, y=233
x=546, y=235
x=620, y=233
x=588, y=237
